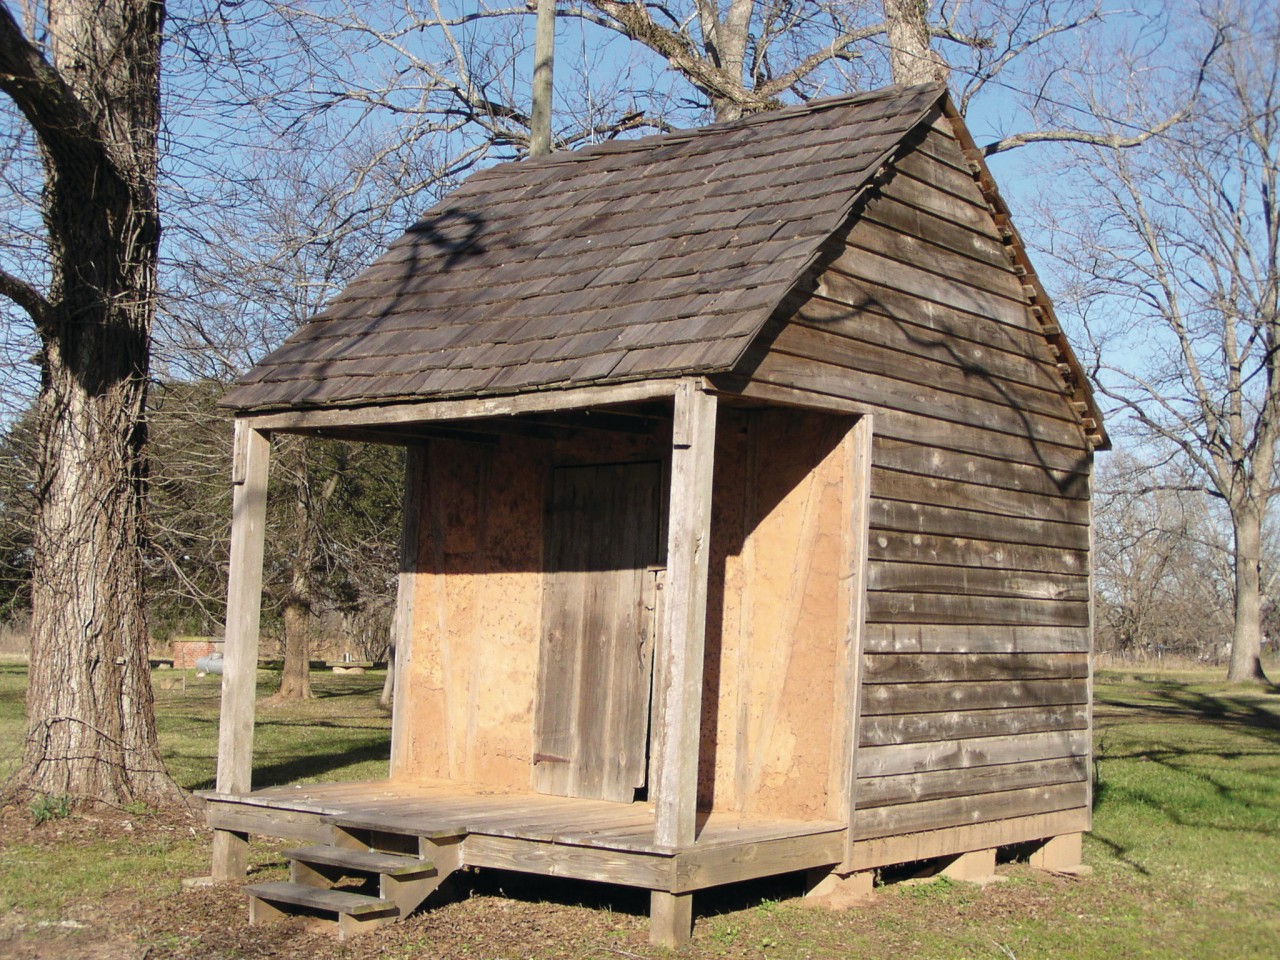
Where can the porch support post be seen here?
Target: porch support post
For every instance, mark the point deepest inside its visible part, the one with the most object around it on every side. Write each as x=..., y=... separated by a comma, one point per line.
x=683, y=640
x=402, y=627
x=857, y=524
x=240, y=663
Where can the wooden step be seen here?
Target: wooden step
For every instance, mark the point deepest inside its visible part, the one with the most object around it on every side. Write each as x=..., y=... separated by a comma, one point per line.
x=363, y=861
x=340, y=902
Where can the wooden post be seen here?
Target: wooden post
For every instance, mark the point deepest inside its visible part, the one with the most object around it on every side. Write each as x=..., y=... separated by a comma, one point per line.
x=678, y=680
x=857, y=521
x=410, y=532
x=670, y=919
x=240, y=664
x=544, y=46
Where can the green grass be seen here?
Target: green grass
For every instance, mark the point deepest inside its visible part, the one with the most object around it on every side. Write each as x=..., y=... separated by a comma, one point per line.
x=1185, y=846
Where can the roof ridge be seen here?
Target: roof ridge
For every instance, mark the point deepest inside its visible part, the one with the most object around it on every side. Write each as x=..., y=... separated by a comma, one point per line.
x=687, y=134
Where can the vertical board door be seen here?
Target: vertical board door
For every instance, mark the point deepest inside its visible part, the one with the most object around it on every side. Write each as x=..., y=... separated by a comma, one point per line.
x=595, y=668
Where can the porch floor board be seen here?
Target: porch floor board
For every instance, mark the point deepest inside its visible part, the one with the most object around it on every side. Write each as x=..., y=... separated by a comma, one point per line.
x=448, y=808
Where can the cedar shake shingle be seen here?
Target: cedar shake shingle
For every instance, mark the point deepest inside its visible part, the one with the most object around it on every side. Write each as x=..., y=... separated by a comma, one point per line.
x=629, y=260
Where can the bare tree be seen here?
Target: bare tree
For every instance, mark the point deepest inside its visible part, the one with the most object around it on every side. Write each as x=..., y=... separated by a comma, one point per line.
x=1162, y=568
x=90, y=91
x=1173, y=253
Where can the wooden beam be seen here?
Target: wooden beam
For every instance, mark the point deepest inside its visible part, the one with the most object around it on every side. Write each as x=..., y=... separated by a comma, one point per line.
x=678, y=677
x=857, y=516
x=734, y=387
x=410, y=535
x=670, y=919
x=542, y=401
x=244, y=606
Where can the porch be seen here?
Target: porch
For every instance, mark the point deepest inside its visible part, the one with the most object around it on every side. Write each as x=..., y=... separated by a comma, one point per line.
x=445, y=825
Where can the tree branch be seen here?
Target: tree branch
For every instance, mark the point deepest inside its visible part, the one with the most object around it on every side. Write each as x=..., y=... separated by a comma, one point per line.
x=27, y=297
x=1110, y=140
x=56, y=114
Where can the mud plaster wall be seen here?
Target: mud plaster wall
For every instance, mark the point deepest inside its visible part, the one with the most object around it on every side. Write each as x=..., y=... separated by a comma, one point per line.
x=469, y=695
x=777, y=608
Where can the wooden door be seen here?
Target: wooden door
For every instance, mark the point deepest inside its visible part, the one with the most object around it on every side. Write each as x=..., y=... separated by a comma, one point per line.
x=596, y=661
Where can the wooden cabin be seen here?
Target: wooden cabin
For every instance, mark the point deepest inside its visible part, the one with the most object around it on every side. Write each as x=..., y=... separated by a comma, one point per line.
x=747, y=524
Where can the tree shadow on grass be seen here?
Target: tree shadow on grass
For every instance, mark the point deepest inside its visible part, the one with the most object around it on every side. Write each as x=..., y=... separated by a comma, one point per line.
x=360, y=747
x=1252, y=723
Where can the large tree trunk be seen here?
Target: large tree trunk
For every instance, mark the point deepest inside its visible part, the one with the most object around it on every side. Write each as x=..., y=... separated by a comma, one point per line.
x=1246, y=638
x=912, y=58
x=95, y=108
x=295, y=678
x=308, y=507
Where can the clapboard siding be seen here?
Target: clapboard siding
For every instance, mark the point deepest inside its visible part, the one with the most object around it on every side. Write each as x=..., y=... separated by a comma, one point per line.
x=899, y=546
x=890, y=698
x=942, y=784
x=799, y=347
x=917, y=488
x=975, y=665
x=898, y=759
x=873, y=822
x=816, y=339
x=933, y=578
x=917, y=638
x=957, y=667
x=983, y=469
x=894, y=730
x=846, y=301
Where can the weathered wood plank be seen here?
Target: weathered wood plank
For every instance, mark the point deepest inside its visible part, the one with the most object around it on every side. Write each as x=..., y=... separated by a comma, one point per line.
x=648, y=870
x=1052, y=443
x=542, y=401
x=978, y=469
x=961, y=667
x=897, y=546
x=680, y=661
x=264, y=821
x=888, y=211
x=920, y=488
x=699, y=868
x=974, y=439
x=954, y=725
x=925, y=845
x=919, y=192
x=874, y=322
x=979, y=581
x=802, y=351
x=971, y=337
x=918, y=250
x=971, y=782
x=1032, y=748
x=890, y=607
x=923, y=517
x=955, y=293
x=936, y=814
x=960, y=184
x=823, y=342
x=951, y=638
x=879, y=699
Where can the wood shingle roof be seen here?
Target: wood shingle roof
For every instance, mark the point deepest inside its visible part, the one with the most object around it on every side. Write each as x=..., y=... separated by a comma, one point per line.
x=634, y=259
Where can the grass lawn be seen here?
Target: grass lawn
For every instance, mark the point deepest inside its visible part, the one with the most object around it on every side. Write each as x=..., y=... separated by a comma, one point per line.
x=1185, y=848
